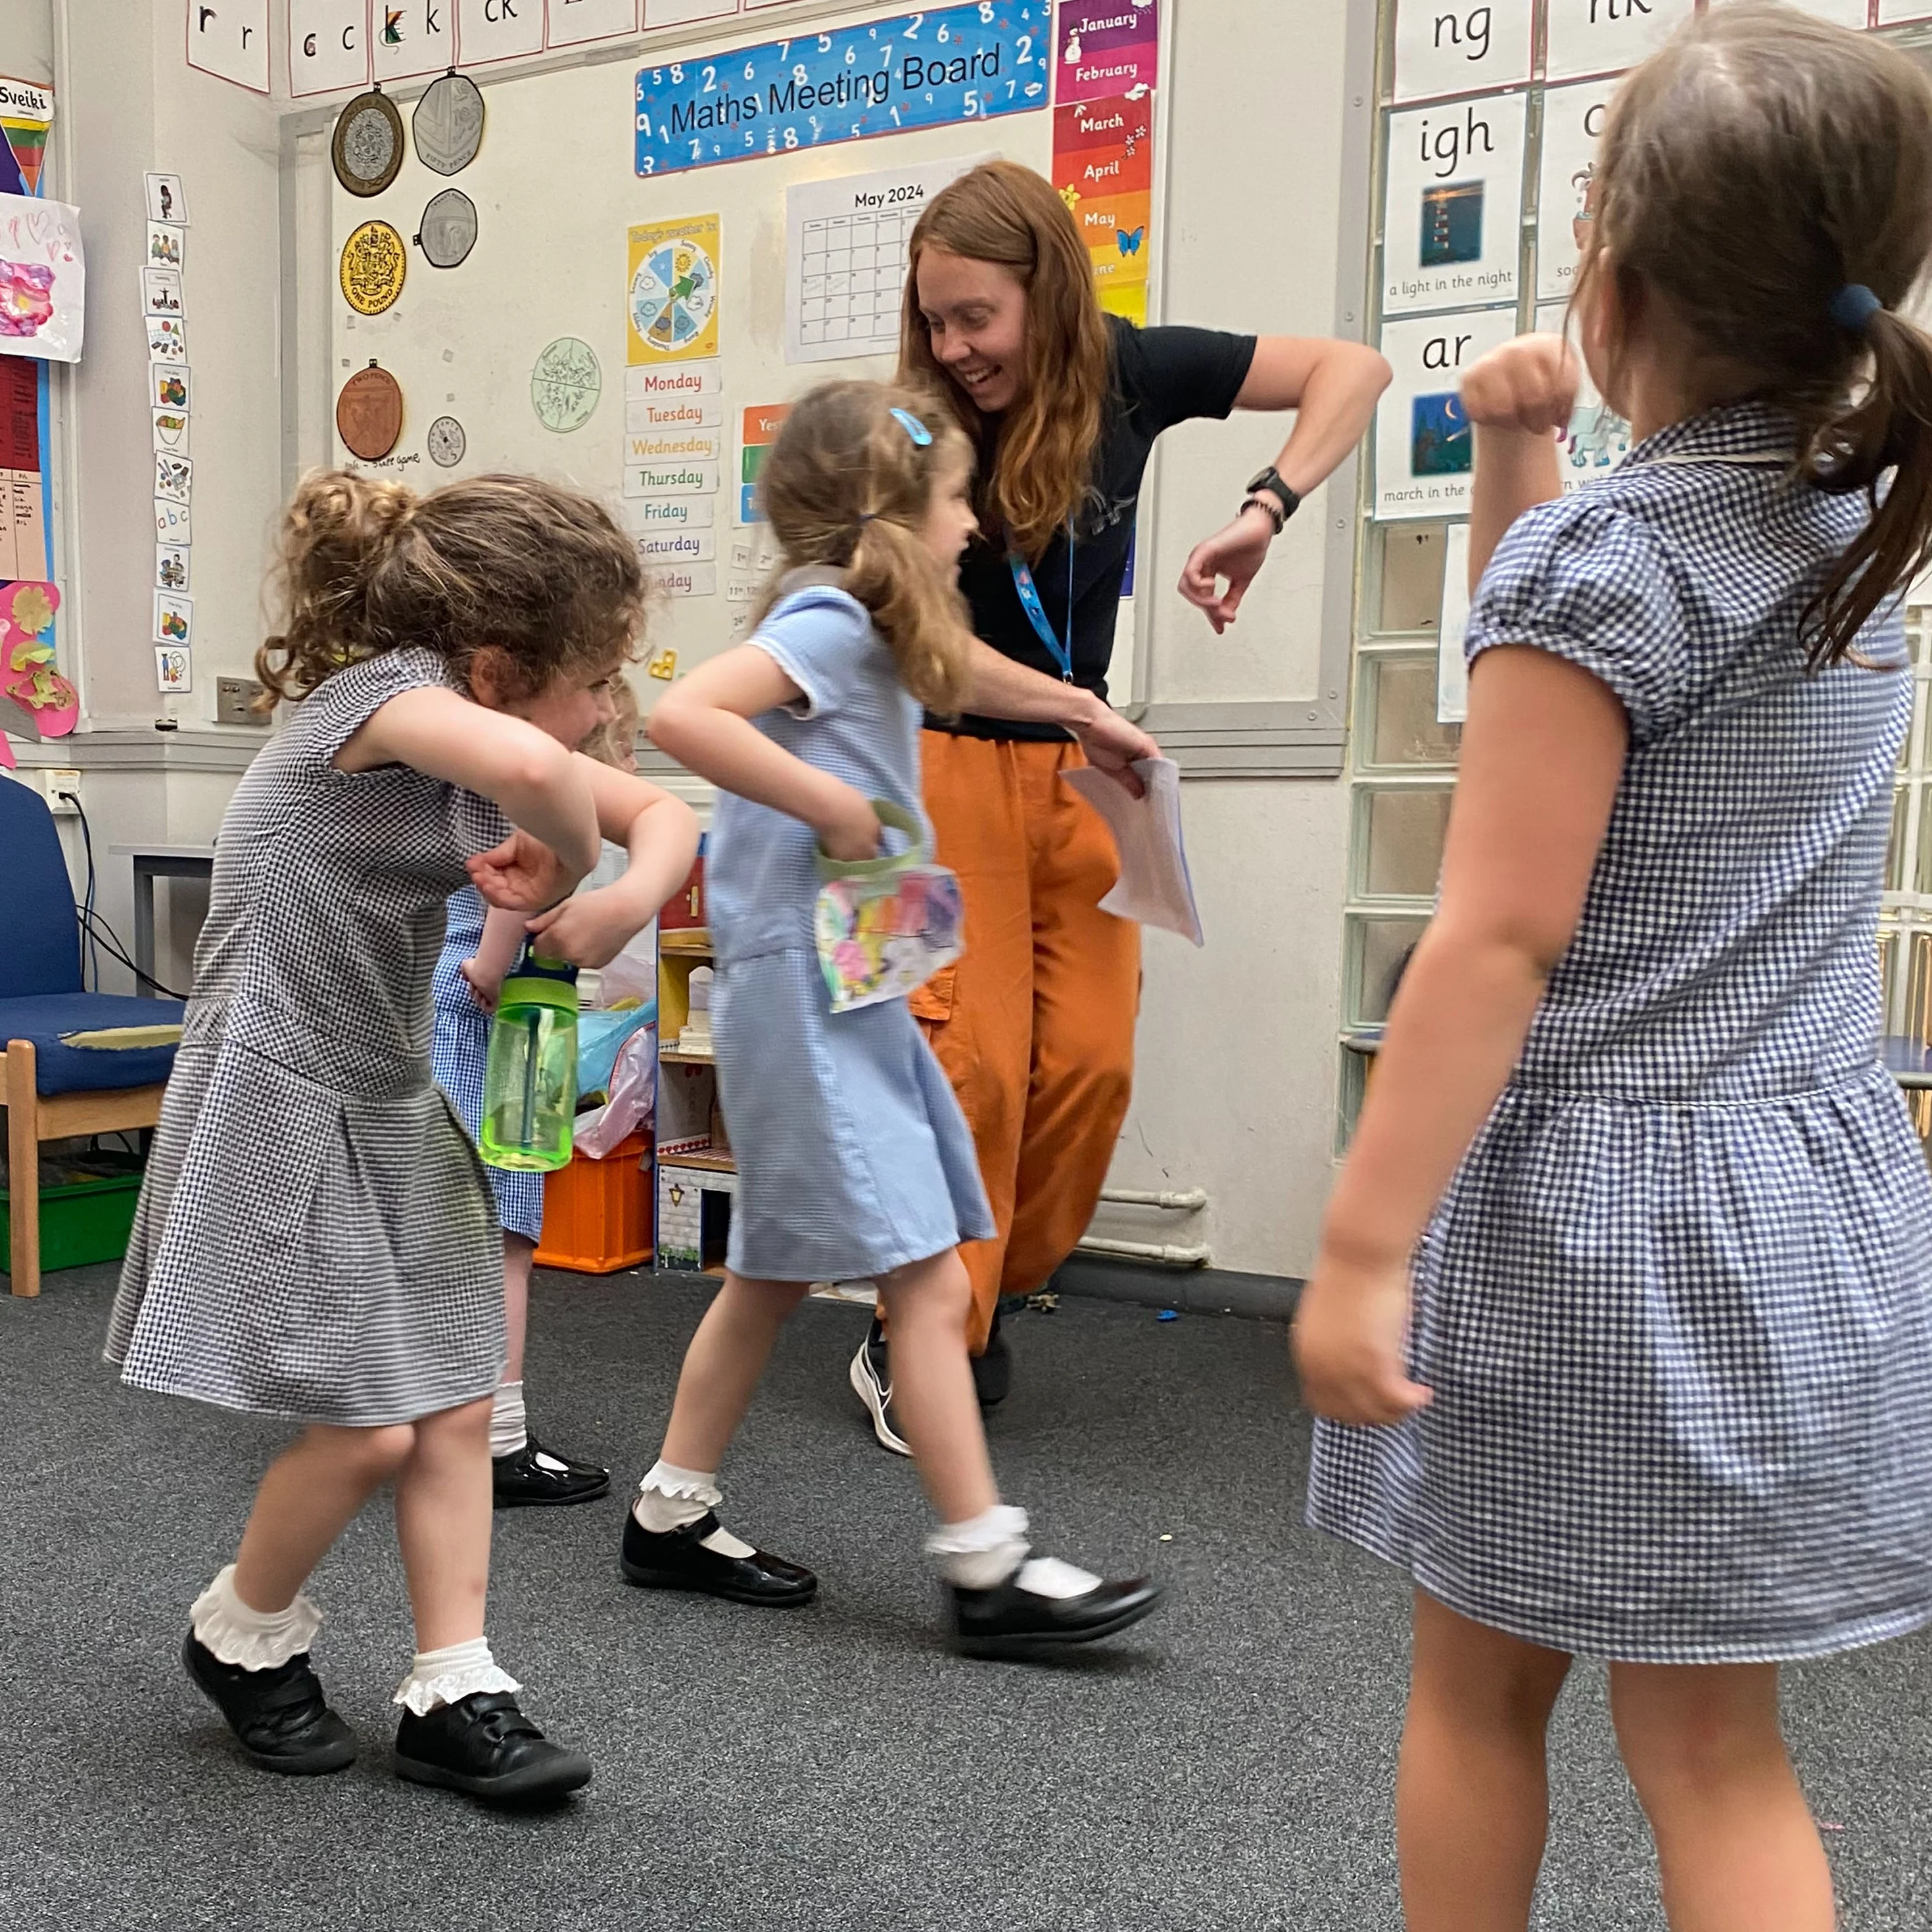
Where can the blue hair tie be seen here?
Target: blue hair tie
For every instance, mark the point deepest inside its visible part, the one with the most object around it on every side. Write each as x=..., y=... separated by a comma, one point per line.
x=913, y=427
x=1853, y=307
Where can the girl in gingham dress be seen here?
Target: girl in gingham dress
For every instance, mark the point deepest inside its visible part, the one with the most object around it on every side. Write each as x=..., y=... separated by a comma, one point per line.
x=479, y=947
x=1656, y=1386
x=314, y=1240
x=854, y=1161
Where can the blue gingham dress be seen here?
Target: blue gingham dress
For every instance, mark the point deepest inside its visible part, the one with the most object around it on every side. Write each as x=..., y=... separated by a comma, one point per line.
x=853, y=1156
x=461, y=1054
x=1675, y=1306
x=314, y=1238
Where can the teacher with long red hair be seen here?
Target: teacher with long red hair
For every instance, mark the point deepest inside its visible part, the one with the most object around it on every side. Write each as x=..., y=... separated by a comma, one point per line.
x=1035, y=1024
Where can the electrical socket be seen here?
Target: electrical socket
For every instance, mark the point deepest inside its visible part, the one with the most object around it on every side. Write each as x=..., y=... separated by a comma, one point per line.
x=52, y=784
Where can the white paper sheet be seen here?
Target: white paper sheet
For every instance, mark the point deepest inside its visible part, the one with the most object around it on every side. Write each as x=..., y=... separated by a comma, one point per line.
x=1452, y=669
x=43, y=279
x=1452, y=215
x=1155, y=887
x=845, y=257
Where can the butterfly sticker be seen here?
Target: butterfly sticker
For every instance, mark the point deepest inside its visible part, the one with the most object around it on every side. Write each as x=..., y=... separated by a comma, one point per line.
x=1130, y=239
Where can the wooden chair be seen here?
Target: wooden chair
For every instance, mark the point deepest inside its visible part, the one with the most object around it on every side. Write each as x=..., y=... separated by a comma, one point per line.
x=63, y=1077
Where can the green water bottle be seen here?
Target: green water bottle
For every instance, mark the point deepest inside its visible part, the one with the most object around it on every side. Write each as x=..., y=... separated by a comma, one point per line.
x=529, y=1086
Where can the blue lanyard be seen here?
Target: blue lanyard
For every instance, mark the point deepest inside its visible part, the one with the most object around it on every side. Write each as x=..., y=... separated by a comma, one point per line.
x=1061, y=652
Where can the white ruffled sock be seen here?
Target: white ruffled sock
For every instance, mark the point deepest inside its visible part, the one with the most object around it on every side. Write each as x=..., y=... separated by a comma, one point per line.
x=249, y=1639
x=508, y=1430
x=985, y=1550
x=448, y=1676
x=669, y=1498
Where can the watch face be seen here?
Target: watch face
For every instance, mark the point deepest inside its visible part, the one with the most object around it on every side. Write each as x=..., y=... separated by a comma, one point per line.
x=447, y=442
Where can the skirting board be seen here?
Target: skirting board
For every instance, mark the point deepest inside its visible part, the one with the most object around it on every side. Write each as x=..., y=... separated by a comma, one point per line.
x=1269, y=1297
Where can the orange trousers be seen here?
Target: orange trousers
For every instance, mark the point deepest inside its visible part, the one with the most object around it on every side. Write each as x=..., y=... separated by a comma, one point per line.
x=1034, y=1024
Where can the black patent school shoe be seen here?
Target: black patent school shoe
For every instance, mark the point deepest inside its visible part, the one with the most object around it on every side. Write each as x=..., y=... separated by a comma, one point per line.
x=1009, y=1622
x=279, y=1717
x=534, y=1476
x=678, y=1559
x=483, y=1745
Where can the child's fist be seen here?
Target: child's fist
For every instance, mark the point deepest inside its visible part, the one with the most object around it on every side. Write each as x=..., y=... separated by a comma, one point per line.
x=1529, y=385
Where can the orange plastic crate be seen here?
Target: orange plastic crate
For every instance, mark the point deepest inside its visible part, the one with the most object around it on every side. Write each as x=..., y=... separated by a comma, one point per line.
x=597, y=1214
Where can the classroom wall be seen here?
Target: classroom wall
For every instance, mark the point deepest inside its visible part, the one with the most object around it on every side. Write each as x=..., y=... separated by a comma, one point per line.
x=1236, y=1092
x=126, y=102
x=1237, y=1043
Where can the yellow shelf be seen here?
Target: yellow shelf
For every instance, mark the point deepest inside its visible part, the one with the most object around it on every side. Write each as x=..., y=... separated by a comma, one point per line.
x=676, y=1057
x=690, y=939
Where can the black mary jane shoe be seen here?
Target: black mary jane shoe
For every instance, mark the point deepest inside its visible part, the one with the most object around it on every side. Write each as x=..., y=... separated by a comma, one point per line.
x=676, y=1559
x=279, y=1717
x=1009, y=1622
x=484, y=1746
x=534, y=1476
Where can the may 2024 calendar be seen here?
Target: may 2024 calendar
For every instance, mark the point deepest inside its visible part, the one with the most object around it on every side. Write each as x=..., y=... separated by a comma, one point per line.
x=845, y=257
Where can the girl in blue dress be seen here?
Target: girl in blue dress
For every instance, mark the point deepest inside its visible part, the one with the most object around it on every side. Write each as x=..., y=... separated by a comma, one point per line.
x=854, y=1161
x=480, y=946
x=1656, y=1385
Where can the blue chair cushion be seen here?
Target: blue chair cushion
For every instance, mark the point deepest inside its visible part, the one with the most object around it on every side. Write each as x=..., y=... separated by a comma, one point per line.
x=61, y=1068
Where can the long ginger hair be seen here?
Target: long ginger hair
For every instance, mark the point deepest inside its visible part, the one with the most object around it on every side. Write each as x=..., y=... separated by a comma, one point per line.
x=1042, y=472
x=847, y=487
x=535, y=574
x=1757, y=164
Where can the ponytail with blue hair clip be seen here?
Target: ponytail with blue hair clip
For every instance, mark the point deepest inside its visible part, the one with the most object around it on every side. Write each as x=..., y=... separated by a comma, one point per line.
x=1853, y=307
x=913, y=427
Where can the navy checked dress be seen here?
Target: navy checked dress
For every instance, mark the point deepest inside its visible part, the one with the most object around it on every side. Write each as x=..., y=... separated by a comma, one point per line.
x=853, y=1158
x=314, y=1239
x=1675, y=1306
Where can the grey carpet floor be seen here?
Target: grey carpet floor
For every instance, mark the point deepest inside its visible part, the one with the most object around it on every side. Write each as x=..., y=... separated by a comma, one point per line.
x=1228, y=1766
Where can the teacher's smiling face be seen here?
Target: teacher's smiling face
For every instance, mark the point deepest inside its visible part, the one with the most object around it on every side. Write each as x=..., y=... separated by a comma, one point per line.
x=975, y=314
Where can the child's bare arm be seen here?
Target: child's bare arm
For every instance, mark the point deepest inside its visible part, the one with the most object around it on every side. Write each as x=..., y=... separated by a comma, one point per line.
x=661, y=834
x=495, y=953
x=1517, y=397
x=542, y=787
x=704, y=722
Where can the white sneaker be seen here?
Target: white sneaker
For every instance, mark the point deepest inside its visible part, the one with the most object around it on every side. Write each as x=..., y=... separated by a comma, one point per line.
x=870, y=1383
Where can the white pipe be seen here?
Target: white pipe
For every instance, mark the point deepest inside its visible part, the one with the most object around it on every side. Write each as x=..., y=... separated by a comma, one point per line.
x=1147, y=1251
x=1187, y=1203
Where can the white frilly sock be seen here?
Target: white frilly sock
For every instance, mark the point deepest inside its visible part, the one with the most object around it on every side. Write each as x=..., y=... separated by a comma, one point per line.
x=249, y=1639
x=983, y=1552
x=509, y=1431
x=448, y=1676
x=669, y=1498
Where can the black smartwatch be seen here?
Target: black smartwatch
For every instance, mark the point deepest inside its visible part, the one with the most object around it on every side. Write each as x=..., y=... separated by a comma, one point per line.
x=1273, y=496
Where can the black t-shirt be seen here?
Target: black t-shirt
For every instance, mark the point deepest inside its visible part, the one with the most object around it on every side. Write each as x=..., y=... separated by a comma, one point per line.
x=1161, y=377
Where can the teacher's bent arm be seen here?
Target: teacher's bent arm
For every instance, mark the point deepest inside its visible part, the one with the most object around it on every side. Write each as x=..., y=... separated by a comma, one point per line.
x=1333, y=387
x=1002, y=689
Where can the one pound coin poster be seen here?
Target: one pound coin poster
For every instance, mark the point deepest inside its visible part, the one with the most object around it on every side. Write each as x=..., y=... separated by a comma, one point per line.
x=925, y=70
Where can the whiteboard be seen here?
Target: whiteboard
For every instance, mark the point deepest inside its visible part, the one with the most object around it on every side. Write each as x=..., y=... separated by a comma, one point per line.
x=556, y=193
